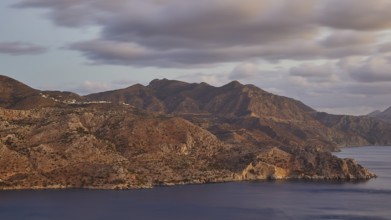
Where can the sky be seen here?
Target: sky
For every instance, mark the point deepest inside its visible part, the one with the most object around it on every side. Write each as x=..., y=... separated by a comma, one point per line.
x=333, y=55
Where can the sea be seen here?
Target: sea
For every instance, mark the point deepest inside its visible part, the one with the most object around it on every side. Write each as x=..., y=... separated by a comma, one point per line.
x=224, y=201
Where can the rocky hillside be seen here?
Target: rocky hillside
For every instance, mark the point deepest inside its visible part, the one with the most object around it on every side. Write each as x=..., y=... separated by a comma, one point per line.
x=357, y=131
x=106, y=146
x=233, y=99
x=16, y=95
x=239, y=111
x=385, y=115
x=169, y=132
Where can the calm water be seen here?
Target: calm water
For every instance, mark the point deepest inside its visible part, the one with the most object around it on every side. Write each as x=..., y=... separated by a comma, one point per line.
x=257, y=200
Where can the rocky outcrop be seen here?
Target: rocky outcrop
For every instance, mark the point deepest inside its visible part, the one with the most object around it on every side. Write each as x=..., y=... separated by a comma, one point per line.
x=277, y=164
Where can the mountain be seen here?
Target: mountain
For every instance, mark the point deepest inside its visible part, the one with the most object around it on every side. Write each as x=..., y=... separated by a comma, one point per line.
x=374, y=113
x=385, y=115
x=235, y=112
x=16, y=95
x=233, y=99
x=171, y=132
x=358, y=131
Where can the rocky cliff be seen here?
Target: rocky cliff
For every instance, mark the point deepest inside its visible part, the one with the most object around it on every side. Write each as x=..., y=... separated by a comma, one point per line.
x=168, y=132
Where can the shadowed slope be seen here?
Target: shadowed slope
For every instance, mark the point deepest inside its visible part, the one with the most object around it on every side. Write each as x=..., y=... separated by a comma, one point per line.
x=385, y=115
x=16, y=95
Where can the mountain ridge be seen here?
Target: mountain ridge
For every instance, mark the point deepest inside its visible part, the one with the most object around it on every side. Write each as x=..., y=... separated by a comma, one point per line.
x=172, y=94
x=17, y=95
x=195, y=101
x=382, y=115
x=171, y=132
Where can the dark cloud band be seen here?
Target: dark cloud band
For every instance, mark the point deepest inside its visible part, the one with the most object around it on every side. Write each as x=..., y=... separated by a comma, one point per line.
x=177, y=33
x=20, y=48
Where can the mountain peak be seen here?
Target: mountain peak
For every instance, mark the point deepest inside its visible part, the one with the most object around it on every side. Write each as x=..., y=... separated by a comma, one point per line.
x=17, y=95
x=156, y=81
x=234, y=84
x=3, y=77
x=13, y=91
x=6, y=81
x=162, y=83
x=382, y=115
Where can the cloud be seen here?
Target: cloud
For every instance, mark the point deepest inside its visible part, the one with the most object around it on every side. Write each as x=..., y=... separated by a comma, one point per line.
x=210, y=24
x=372, y=89
x=20, y=48
x=342, y=97
x=369, y=70
x=384, y=47
x=327, y=72
x=184, y=21
x=244, y=70
x=69, y=13
x=372, y=69
x=354, y=14
x=352, y=91
x=111, y=52
x=131, y=54
x=177, y=33
x=348, y=38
